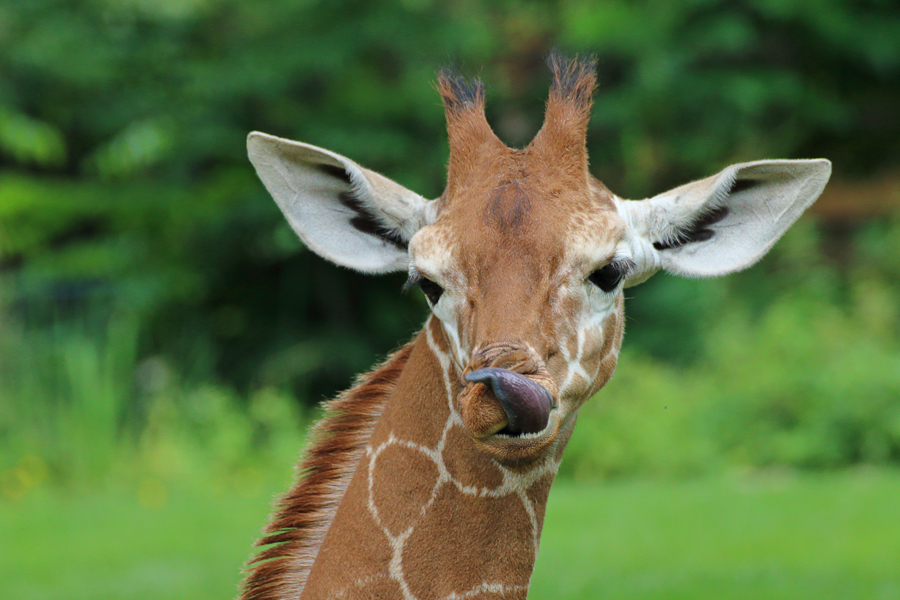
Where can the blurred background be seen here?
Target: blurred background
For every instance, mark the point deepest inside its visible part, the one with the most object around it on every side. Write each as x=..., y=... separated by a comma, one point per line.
x=165, y=339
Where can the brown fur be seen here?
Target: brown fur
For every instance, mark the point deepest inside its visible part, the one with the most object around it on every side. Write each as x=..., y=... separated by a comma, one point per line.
x=292, y=538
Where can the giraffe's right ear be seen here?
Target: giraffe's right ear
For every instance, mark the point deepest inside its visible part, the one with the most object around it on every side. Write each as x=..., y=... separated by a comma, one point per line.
x=723, y=223
x=343, y=212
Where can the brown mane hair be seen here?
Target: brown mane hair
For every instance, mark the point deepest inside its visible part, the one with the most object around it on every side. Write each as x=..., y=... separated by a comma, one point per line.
x=292, y=538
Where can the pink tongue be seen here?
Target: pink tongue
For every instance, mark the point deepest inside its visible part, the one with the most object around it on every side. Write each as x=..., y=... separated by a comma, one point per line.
x=527, y=403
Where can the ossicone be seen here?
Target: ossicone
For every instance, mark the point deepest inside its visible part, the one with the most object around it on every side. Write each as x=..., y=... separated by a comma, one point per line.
x=563, y=136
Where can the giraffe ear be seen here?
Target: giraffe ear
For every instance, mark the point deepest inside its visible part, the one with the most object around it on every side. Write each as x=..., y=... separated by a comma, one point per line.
x=343, y=212
x=723, y=223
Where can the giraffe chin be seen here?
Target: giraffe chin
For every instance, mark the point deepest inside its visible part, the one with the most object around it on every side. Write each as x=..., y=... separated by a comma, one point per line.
x=525, y=449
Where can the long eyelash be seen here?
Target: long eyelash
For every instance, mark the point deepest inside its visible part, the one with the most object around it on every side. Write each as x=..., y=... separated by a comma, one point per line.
x=609, y=277
x=414, y=279
x=625, y=266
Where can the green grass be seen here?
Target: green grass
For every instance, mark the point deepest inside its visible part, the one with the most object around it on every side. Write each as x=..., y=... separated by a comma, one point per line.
x=823, y=536
x=776, y=536
x=146, y=543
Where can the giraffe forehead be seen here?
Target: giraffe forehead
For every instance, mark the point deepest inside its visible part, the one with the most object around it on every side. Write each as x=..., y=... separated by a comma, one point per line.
x=519, y=211
x=512, y=224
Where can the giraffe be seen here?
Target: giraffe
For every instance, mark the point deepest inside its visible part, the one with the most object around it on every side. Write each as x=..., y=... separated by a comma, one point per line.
x=429, y=478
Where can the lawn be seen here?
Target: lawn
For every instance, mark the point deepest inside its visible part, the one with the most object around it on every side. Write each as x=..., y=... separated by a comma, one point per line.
x=761, y=536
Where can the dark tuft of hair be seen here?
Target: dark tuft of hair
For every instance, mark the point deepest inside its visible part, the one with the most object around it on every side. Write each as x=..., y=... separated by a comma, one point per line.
x=574, y=77
x=459, y=91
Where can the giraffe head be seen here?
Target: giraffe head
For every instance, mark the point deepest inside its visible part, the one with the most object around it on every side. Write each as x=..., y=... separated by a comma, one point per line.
x=524, y=257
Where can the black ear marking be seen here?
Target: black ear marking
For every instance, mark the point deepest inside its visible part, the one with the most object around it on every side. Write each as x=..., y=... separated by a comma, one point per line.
x=364, y=221
x=336, y=172
x=667, y=245
x=699, y=231
x=367, y=223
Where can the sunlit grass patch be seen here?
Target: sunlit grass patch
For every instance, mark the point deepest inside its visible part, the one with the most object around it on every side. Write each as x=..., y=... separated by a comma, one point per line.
x=771, y=535
x=120, y=542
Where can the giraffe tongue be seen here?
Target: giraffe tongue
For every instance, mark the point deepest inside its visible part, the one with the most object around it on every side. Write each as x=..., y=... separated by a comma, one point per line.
x=526, y=403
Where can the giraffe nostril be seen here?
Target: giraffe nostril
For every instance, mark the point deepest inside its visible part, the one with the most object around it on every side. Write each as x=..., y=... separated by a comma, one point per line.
x=526, y=403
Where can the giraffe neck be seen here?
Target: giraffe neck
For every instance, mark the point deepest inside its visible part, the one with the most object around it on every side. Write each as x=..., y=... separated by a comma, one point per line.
x=426, y=515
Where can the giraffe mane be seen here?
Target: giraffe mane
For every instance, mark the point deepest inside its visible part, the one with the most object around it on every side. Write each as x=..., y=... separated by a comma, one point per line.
x=291, y=540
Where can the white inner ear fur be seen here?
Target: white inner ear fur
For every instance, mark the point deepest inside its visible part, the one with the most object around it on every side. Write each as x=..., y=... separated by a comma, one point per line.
x=324, y=195
x=760, y=201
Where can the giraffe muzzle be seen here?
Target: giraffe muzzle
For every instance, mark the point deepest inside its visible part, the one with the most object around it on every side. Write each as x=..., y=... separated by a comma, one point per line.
x=527, y=404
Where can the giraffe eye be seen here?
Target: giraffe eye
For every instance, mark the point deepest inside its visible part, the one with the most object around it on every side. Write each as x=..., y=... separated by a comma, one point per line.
x=431, y=290
x=609, y=277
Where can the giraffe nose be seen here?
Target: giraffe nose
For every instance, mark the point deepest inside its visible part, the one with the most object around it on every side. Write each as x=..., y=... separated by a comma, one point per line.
x=526, y=403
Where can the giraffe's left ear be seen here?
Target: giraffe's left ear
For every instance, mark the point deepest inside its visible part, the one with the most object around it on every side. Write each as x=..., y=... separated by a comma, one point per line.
x=724, y=223
x=350, y=215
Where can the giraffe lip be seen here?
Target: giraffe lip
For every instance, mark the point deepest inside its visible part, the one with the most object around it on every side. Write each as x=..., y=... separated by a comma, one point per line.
x=527, y=404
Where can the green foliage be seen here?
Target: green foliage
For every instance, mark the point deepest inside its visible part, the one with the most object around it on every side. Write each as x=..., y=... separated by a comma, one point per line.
x=123, y=179
x=134, y=233
x=63, y=397
x=30, y=141
x=80, y=408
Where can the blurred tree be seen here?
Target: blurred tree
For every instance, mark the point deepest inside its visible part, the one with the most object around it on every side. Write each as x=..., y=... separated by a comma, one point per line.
x=124, y=184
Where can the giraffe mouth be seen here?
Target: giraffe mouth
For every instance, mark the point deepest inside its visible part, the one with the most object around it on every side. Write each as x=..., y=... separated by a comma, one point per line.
x=527, y=404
